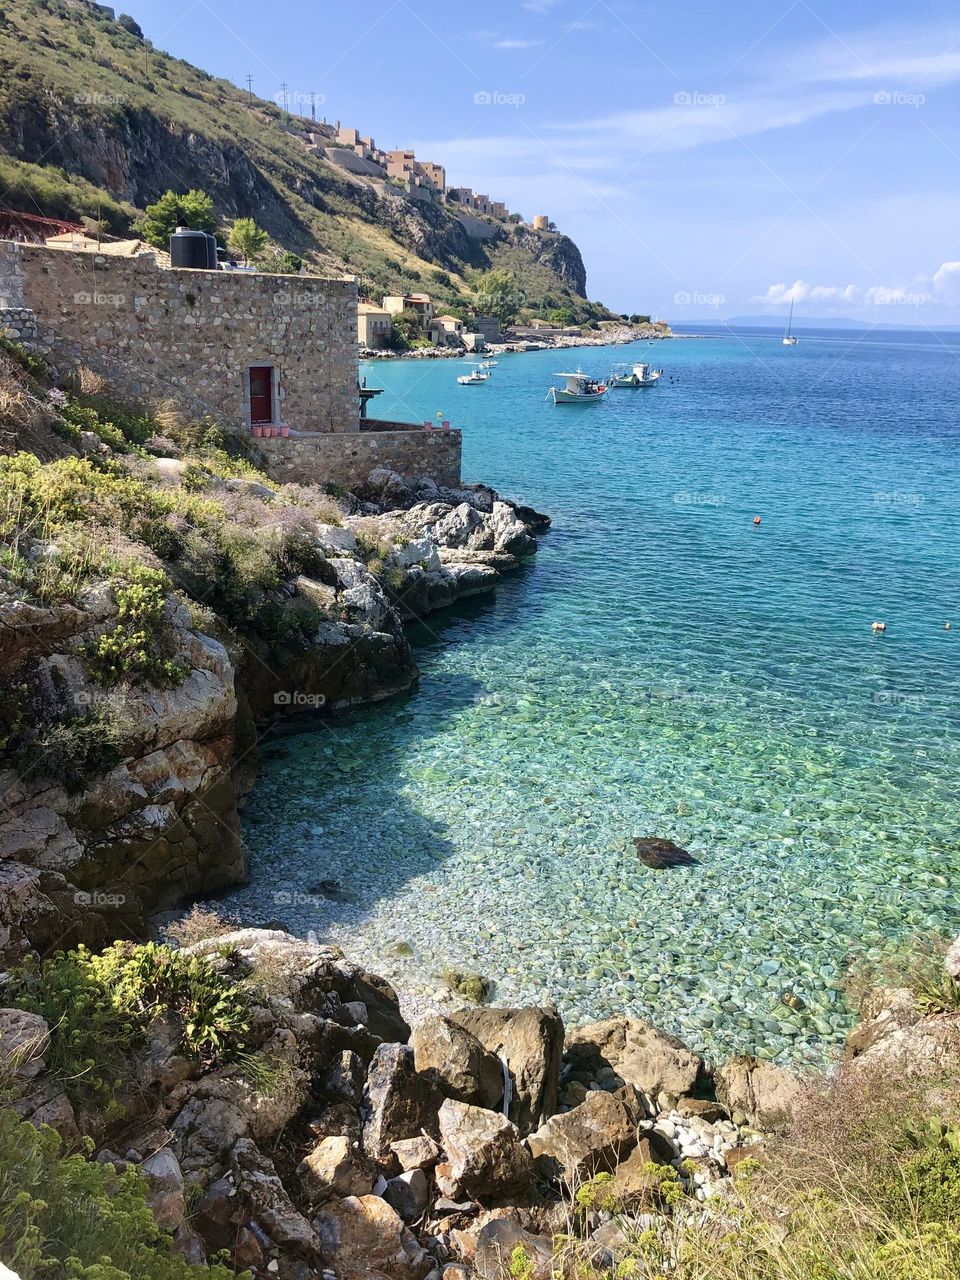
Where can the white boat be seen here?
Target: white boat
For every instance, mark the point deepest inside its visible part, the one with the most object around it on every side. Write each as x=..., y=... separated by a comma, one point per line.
x=638, y=375
x=488, y=364
x=473, y=378
x=788, y=339
x=579, y=388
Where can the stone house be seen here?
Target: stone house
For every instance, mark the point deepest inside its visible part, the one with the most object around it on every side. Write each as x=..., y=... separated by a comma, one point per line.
x=374, y=326
x=249, y=349
x=418, y=302
x=445, y=331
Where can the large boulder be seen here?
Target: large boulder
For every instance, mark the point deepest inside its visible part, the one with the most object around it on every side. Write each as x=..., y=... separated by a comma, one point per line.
x=588, y=1140
x=363, y=1237
x=758, y=1092
x=400, y=1103
x=487, y=1161
x=531, y=1040
x=637, y=1053
x=455, y=1060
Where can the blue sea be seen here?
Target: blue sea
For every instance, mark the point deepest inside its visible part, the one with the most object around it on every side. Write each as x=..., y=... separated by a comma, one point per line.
x=667, y=667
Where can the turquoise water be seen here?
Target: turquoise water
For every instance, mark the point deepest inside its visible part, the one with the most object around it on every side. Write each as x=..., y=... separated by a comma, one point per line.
x=665, y=668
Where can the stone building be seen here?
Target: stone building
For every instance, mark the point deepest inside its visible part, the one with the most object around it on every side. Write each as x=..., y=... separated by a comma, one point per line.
x=252, y=349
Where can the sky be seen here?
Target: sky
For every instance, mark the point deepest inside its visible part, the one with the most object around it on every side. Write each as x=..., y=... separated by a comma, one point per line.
x=710, y=160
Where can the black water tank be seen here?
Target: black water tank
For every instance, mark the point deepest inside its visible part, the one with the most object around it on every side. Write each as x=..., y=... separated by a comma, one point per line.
x=212, y=262
x=189, y=249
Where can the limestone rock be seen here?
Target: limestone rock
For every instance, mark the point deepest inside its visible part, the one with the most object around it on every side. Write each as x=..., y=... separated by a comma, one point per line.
x=638, y=1054
x=951, y=961
x=334, y=1168
x=401, y=1103
x=165, y=1196
x=264, y=1194
x=761, y=1092
x=531, y=1039
x=487, y=1160
x=363, y=1238
x=588, y=1140
x=343, y=1081
x=455, y=1060
x=416, y=1153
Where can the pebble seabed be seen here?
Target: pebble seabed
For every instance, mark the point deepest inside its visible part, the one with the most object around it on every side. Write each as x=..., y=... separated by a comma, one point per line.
x=484, y=823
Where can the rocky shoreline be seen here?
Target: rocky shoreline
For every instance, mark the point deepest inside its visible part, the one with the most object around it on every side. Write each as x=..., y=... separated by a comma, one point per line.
x=86, y=859
x=610, y=335
x=359, y=1149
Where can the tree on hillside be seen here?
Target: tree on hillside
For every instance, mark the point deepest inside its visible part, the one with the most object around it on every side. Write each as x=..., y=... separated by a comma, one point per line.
x=287, y=264
x=194, y=209
x=246, y=240
x=499, y=296
x=561, y=315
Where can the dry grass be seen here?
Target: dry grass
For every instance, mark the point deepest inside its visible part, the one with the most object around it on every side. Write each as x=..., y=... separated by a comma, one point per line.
x=199, y=924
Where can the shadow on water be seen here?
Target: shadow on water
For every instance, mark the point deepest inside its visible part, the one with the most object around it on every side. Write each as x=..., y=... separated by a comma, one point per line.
x=314, y=778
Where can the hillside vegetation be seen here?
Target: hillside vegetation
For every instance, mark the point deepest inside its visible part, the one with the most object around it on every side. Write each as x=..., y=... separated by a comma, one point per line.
x=97, y=123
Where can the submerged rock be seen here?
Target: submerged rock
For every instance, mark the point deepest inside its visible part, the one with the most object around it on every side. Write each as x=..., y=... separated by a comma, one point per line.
x=658, y=853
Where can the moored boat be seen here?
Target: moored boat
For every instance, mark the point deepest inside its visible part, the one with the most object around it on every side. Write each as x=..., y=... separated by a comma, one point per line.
x=788, y=338
x=638, y=375
x=578, y=388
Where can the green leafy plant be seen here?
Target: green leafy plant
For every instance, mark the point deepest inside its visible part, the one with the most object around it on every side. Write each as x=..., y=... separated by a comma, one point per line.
x=139, y=646
x=247, y=240
x=65, y=1217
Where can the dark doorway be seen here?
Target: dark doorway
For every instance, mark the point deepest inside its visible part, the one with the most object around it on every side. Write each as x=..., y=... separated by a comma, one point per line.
x=261, y=394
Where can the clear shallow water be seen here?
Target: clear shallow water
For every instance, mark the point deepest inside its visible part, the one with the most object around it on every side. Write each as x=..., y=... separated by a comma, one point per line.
x=666, y=668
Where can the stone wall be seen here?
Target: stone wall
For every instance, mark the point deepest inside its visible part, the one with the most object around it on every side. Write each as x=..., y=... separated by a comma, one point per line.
x=195, y=334
x=348, y=460
x=19, y=324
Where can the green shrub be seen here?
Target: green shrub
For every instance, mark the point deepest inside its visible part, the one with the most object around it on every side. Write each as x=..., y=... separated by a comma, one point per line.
x=148, y=980
x=100, y=1006
x=70, y=1218
x=139, y=646
x=73, y=749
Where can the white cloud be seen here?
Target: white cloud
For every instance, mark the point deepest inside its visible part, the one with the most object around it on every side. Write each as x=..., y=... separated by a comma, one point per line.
x=946, y=281
x=517, y=44
x=915, y=55
x=942, y=287
x=539, y=6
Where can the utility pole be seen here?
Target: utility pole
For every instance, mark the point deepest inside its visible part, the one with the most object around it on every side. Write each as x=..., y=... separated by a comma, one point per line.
x=250, y=89
x=283, y=90
x=313, y=107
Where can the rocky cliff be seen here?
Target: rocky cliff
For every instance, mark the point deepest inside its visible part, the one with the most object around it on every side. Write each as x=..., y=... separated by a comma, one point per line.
x=96, y=121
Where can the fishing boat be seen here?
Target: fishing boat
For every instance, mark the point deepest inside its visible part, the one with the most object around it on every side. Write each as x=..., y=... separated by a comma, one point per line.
x=474, y=378
x=489, y=364
x=638, y=375
x=578, y=388
x=788, y=339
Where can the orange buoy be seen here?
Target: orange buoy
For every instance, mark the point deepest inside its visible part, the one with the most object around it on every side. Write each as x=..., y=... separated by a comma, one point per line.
x=756, y=519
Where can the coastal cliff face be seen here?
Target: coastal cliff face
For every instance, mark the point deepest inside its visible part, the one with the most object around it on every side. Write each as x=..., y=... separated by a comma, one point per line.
x=85, y=857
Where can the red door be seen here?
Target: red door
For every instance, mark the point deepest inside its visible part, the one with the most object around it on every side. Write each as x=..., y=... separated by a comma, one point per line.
x=261, y=394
